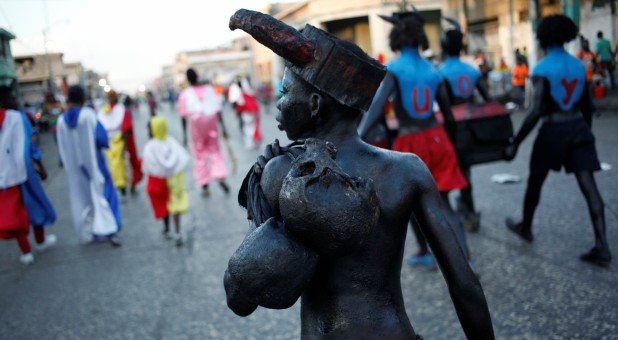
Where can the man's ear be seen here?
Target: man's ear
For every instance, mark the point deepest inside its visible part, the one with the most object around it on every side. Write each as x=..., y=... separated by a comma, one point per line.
x=316, y=101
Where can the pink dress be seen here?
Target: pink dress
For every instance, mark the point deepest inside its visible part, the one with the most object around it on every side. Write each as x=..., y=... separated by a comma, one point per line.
x=201, y=105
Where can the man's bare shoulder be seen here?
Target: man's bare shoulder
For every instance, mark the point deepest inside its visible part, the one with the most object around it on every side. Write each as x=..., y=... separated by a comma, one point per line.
x=408, y=165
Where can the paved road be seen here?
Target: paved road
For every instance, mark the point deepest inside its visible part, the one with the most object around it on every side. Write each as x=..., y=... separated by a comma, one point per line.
x=149, y=289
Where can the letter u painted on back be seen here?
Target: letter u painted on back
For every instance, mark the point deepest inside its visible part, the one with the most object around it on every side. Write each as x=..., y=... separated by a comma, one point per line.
x=426, y=103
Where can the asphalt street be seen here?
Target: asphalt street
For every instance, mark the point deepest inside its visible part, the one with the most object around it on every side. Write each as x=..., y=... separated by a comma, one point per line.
x=151, y=289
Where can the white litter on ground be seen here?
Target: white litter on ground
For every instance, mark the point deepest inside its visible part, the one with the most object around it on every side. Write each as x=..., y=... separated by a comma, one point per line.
x=505, y=178
x=605, y=166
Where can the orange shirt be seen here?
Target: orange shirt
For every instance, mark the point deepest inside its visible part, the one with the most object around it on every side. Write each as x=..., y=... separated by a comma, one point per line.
x=519, y=73
x=590, y=60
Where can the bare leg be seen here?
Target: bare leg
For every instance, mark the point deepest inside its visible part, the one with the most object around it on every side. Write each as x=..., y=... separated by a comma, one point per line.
x=166, y=227
x=177, y=223
x=420, y=238
x=183, y=120
x=600, y=254
x=471, y=220
x=531, y=200
x=177, y=235
x=423, y=257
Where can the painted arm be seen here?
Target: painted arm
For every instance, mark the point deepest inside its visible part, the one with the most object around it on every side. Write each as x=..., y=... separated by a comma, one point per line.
x=540, y=86
x=482, y=88
x=587, y=106
x=223, y=129
x=376, y=110
x=464, y=287
x=445, y=108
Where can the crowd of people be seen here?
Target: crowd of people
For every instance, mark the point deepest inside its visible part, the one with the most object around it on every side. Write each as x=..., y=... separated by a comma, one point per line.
x=349, y=279
x=413, y=84
x=98, y=151
x=403, y=179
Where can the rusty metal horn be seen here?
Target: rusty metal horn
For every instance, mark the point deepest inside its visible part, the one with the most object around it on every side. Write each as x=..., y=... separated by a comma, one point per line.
x=281, y=38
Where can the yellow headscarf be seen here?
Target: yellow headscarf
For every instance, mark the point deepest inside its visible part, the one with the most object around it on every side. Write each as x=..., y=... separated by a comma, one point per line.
x=158, y=127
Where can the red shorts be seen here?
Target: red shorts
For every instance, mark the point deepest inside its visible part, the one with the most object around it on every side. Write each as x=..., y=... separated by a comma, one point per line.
x=14, y=214
x=435, y=149
x=159, y=195
x=380, y=144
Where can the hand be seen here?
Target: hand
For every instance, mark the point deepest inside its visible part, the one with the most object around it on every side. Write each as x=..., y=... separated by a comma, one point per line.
x=270, y=151
x=40, y=169
x=42, y=173
x=509, y=152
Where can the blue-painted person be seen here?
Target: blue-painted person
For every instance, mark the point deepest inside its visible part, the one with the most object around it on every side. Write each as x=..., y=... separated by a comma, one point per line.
x=562, y=102
x=414, y=83
x=462, y=81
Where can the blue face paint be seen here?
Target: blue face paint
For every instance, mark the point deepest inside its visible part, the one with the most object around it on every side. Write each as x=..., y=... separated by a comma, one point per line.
x=566, y=75
x=461, y=76
x=418, y=82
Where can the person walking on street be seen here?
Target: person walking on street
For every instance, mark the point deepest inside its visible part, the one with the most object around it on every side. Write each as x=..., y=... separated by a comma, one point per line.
x=606, y=57
x=163, y=163
x=589, y=59
x=117, y=121
x=242, y=97
x=22, y=197
x=462, y=80
x=202, y=106
x=152, y=104
x=562, y=101
x=94, y=202
x=415, y=84
x=519, y=75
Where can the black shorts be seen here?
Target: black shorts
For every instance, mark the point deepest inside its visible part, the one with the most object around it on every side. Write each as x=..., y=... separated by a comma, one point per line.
x=568, y=144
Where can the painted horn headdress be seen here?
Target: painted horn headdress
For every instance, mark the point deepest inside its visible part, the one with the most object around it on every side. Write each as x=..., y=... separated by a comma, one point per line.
x=407, y=29
x=452, y=39
x=334, y=66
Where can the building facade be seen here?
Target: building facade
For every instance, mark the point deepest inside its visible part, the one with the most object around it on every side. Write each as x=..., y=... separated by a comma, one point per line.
x=499, y=27
x=495, y=28
x=41, y=73
x=355, y=21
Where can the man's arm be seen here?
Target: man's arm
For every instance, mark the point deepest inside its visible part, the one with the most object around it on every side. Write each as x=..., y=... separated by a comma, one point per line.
x=587, y=105
x=447, y=114
x=464, y=287
x=540, y=86
x=534, y=113
x=376, y=110
x=482, y=88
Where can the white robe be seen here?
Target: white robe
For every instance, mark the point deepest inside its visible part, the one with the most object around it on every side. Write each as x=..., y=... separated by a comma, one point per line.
x=12, y=141
x=91, y=211
x=164, y=159
x=112, y=121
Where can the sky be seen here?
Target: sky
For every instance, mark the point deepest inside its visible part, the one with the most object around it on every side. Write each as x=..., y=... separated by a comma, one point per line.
x=129, y=40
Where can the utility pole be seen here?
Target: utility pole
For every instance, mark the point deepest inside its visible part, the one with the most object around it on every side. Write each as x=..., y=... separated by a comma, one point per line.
x=50, y=81
x=533, y=10
x=511, y=35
